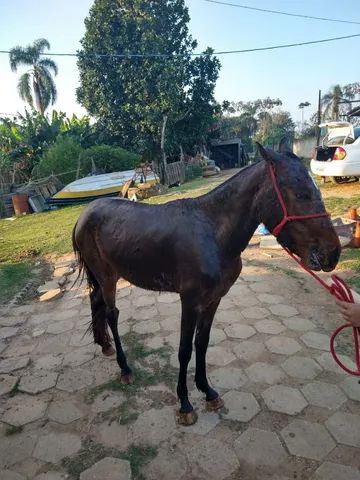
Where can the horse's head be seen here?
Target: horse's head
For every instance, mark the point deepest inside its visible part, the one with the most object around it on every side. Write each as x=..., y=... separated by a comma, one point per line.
x=313, y=239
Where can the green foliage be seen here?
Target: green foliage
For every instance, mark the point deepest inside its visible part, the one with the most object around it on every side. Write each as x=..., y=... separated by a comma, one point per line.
x=242, y=119
x=63, y=157
x=273, y=127
x=192, y=171
x=130, y=96
x=37, y=83
x=25, y=139
x=108, y=159
x=331, y=100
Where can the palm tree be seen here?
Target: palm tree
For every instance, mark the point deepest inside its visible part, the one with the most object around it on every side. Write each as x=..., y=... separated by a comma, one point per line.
x=37, y=83
x=336, y=97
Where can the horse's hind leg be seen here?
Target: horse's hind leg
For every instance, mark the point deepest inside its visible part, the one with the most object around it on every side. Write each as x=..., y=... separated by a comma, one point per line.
x=213, y=401
x=112, y=315
x=99, y=325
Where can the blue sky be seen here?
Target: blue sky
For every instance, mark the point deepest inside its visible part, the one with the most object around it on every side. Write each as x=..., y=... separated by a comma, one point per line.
x=294, y=75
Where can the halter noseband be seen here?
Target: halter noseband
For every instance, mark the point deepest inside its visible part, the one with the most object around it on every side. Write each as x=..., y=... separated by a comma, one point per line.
x=287, y=218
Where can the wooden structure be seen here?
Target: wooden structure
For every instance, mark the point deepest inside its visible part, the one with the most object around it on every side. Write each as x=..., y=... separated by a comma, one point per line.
x=38, y=192
x=229, y=153
x=175, y=172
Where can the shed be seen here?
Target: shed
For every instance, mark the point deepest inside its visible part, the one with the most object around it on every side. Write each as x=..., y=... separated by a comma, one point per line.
x=229, y=153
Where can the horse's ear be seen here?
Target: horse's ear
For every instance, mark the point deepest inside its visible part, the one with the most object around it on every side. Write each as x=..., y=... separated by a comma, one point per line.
x=266, y=154
x=284, y=146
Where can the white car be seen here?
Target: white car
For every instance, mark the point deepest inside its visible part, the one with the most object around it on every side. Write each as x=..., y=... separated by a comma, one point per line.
x=338, y=155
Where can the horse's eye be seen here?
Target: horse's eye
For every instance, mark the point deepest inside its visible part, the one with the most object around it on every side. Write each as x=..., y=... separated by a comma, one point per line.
x=303, y=196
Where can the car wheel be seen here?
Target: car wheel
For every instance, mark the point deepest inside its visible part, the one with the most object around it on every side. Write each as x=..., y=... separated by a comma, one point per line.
x=338, y=180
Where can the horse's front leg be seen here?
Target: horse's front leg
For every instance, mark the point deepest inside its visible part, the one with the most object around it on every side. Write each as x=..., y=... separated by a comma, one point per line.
x=189, y=315
x=213, y=400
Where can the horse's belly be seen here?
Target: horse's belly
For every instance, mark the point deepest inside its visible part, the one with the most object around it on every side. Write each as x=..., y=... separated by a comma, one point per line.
x=157, y=281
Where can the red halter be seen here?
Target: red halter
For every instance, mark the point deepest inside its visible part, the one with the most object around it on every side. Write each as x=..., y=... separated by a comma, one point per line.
x=338, y=287
x=287, y=218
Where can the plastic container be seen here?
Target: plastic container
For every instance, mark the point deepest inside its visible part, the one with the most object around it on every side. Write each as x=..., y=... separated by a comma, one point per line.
x=21, y=204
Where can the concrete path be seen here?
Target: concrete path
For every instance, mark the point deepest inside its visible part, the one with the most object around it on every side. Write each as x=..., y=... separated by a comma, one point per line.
x=290, y=413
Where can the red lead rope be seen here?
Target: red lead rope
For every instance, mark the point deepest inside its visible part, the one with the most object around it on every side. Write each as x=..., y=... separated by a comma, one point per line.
x=338, y=287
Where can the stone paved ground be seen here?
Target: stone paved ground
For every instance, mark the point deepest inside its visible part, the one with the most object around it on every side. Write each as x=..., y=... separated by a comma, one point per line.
x=290, y=413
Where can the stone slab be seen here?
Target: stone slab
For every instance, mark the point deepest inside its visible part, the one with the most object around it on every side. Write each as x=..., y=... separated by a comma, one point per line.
x=301, y=367
x=108, y=469
x=7, y=384
x=240, y=406
x=51, y=295
x=306, y=439
x=23, y=409
x=203, y=456
x=283, y=345
x=259, y=448
x=345, y=427
x=261, y=372
x=316, y=340
x=219, y=356
x=7, y=332
x=271, y=327
x=324, y=395
x=283, y=310
x=248, y=350
x=240, y=331
x=152, y=427
x=38, y=382
x=64, y=411
x=228, y=378
x=52, y=448
x=334, y=471
x=283, y=399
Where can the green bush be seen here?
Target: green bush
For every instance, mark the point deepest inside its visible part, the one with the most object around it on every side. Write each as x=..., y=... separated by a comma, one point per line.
x=61, y=159
x=192, y=171
x=67, y=159
x=108, y=159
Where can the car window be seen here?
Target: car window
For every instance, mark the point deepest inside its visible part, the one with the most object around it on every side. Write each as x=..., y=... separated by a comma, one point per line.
x=340, y=140
x=357, y=132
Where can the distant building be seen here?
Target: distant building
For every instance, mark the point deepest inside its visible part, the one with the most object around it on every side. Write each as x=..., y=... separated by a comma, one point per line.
x=229, y=153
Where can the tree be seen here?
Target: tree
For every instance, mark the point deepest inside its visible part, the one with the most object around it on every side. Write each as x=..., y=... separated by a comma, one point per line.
x=37, y=83
x=336, y=101
x=241, y=119
x=273, y=127
x=132, y=96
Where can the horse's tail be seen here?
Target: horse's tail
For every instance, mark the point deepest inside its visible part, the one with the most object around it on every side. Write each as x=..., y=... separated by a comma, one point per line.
x=83, y=268
x=97, y=325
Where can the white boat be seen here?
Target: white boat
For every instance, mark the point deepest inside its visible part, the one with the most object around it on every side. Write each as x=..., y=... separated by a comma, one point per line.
x=95, y=186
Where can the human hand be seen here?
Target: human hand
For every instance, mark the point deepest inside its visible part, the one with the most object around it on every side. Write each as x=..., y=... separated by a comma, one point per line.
x=350, y=312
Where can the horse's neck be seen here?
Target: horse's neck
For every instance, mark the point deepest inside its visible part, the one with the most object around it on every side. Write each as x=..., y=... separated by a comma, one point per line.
x=232, y=207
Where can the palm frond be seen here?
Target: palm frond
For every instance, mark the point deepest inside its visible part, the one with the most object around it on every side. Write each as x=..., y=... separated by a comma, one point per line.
x=40, y=44
x=48, y=64
x=24, y=88
x=47, y=87
x=19, y=56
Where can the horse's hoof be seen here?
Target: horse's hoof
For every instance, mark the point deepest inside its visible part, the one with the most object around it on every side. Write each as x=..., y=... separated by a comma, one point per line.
x=213, y=405
x=186, y=419
x=126, y=379
x=108, y=351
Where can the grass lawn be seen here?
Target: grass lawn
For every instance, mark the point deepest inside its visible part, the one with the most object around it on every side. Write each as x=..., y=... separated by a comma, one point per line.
x=49, y=233
x=13, y=277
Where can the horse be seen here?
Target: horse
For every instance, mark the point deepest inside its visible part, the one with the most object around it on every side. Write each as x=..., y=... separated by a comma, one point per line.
x=193, y=247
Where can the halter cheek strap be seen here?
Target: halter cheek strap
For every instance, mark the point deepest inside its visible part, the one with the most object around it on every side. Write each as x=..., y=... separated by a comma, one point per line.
x=286, y=217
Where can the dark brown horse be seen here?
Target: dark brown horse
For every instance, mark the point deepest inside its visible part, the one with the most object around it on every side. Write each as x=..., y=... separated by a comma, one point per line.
x=193, y=247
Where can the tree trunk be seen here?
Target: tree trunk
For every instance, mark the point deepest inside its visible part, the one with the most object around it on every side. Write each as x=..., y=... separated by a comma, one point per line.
x=181, y=153
x=163, y=175
x=37, y=94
